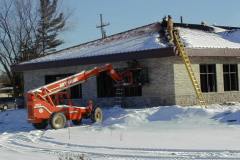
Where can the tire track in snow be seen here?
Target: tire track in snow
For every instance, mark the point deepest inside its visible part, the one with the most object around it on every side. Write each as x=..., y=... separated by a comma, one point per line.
x=98, y=152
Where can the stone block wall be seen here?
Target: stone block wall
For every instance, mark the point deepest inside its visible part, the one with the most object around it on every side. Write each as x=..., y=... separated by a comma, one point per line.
x=161, y=87
x=159, y=90
x=184, y=91
x=169, y=82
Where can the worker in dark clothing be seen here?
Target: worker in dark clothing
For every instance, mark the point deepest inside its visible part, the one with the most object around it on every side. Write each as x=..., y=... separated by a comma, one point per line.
x=163, y=26
x=164, y=22
x=170, y=28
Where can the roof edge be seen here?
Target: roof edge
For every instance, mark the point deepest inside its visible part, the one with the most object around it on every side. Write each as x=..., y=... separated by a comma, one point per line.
x=153, y=53
x=213, y=52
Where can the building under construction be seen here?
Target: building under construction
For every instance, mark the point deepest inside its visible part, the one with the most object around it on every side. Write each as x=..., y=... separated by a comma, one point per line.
x=159, y=71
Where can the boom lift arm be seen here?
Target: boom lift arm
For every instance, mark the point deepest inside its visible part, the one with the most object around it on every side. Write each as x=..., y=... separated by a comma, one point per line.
x=76, y=79
x=40, y=101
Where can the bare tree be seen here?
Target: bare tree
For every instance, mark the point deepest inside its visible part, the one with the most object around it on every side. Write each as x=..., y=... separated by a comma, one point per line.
x=17, y=29
x=19, y=24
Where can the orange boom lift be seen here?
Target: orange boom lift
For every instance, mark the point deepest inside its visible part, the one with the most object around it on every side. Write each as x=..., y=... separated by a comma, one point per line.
x=45, y=106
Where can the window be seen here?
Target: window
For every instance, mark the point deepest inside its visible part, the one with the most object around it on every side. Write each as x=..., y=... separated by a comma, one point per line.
x=208, y=77
x=131, y=91
x=139, y=77
x=230, y=77
x=75, y=91
x=106, y=86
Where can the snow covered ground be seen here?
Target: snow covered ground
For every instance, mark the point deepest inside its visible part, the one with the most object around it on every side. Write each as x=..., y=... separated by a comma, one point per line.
x=170, y=132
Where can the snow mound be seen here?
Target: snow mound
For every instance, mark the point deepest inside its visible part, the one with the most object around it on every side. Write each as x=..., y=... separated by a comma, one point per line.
x=124, y=118
x=175, y=112
x=120, y=118
x=230, y=117
x=162, y=113
x=14, y=121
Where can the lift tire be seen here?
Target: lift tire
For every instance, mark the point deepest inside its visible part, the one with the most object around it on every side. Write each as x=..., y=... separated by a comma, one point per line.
x=97, y=115
x=42, y=125
x=77, y=122
x=58, y=120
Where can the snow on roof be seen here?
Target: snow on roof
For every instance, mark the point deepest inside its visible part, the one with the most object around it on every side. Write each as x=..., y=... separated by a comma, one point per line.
x=145, y=38
x=219, y=38
x=218, y=30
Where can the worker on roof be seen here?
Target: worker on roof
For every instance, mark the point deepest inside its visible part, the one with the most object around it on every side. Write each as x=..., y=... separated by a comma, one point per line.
x=163, y=26
x=170, y=28
x=164, y=22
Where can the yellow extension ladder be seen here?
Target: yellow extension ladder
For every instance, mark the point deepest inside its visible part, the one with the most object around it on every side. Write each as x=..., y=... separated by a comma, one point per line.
x=183, y=54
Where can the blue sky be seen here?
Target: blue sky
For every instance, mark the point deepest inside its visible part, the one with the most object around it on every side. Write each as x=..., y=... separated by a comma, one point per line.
x=127, y=14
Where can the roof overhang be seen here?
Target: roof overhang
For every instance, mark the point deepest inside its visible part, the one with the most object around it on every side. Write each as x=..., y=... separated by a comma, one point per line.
x=213, y=52
x=153, y=53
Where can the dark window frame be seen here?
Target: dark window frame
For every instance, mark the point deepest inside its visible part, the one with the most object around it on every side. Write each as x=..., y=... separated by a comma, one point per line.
x=208, y=77
x=230, y=77
x=106, y=88
x=105, y=85
x=75, y=91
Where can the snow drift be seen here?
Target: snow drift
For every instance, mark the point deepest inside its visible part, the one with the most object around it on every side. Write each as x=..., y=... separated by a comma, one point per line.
x=16, y=120
x=148, y=133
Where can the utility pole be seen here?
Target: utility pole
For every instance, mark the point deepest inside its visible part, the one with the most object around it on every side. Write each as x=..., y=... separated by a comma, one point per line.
x=181, y=19
x=101, y=26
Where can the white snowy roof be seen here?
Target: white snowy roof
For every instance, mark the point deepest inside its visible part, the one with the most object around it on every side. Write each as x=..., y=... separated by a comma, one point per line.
x=147, y=38
x=141, y=39
x=219, y=38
